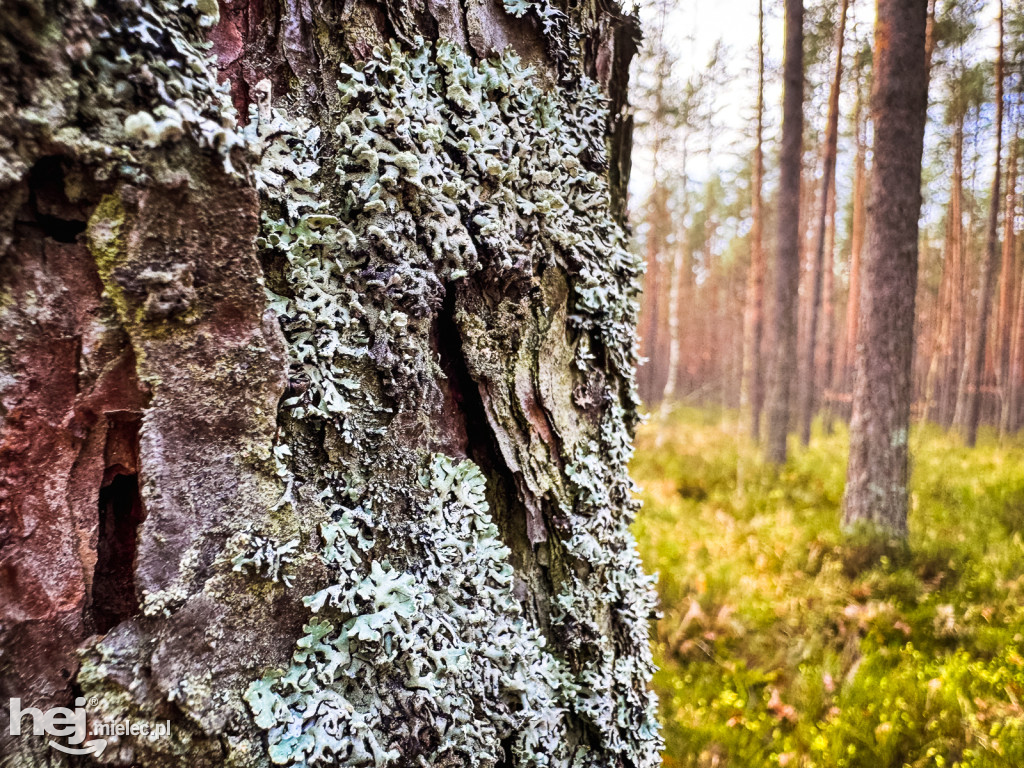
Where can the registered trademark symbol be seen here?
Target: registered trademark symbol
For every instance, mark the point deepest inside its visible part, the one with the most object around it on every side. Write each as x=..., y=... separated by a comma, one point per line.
x=93, y=701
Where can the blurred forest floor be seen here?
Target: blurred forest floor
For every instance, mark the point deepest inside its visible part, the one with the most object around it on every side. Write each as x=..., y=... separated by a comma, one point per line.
x=781, y=644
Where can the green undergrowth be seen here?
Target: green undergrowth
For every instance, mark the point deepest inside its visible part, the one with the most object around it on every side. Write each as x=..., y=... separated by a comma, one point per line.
x=781, y=644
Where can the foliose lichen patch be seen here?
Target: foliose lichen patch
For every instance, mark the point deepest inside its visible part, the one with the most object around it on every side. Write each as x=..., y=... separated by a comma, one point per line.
x=440, y=171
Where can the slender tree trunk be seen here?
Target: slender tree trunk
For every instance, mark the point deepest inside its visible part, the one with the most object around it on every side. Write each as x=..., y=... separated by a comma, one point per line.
x=317, y=389
x=1013, y=404
x=675, y=342
x=678, y=283
x=972, y=377
x=787, y=261
x=856, y=247
x=652, y=320
x=652, y=311
x=1007, y=289
x=808, y=391
x=876, y=483
x=752, y=380
x=939, y=391
x=828, y=314
x=856, y=239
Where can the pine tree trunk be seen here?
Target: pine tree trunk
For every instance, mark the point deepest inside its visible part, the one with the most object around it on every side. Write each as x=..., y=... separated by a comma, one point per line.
x=808, y=393
x=752, y=377
x=939, y=385
x=675, y=342
x=1007, y=287
x=876, y=483
x=856, y=240
x=828, y=314
x=651, y=323
x=677, y=284
x=972, y=377
x=317, y=387
x=1012, y=419
x=787, y=265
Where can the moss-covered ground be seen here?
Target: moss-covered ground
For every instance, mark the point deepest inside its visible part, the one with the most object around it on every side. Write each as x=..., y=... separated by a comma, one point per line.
x=783, y=644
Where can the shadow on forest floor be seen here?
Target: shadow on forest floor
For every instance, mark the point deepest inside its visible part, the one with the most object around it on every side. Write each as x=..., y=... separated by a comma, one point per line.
x=774, y=651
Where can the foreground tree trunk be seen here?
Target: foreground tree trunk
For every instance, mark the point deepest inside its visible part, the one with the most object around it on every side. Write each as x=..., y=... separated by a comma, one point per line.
x=876, y=481
x=972, y=377
x=317, y=387
x=787, y=263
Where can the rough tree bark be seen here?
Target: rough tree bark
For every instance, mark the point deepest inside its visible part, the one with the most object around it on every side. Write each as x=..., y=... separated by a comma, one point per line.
x=972, y=376
x=787, y=246
x=752, y=372
x=808, y=392
x=876, y=481
x=317, y=390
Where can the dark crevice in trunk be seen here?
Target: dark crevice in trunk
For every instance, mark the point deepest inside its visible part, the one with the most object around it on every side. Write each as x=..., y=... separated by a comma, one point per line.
x=49, y=207
x=113, y=587
x=533, y=582
x=507, y=758
x=61, y=230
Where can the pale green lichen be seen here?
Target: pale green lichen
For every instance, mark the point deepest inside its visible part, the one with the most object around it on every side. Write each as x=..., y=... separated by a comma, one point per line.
x=265, y=556
x=400, y=668
x=436, y=169
x=119, y=95
x=150, y=81
x=164, y=601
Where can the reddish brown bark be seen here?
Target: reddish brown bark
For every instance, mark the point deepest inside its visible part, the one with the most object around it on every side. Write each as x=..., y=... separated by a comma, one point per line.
x=947, y=351
x=1007, y=287
x=876, y=486
x=66, y=418
x=971, y=380
x=752, y=377
x=856, y=239
x=787, y=266
x=808, y=392
x=828, y=334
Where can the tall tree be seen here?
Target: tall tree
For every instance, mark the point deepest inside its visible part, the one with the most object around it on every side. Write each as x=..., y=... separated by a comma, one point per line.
x=947, y=348
x=858, y=224
x=1007, y=286
x=964, y=94
x=876, y=481
x=752, y=377
x=971, y=380
x=787, y=246
x=808, y=390
x=694, y=125
x=656, y=123
x=317, y=387
x=828, y=314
